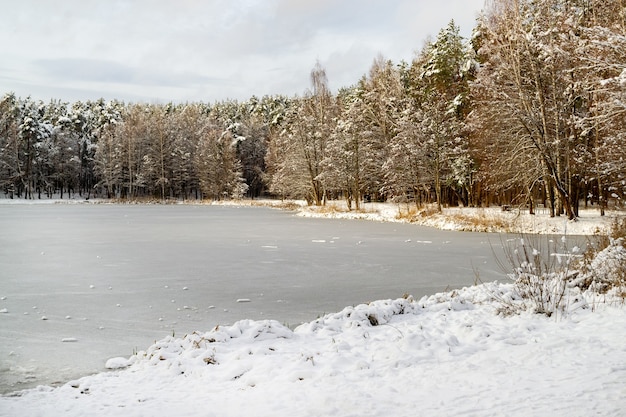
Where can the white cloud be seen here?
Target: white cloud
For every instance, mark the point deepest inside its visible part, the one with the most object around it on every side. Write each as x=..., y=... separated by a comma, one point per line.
x=207, y=50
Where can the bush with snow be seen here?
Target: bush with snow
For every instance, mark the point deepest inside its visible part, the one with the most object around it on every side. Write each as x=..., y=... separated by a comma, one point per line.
x=607, y=270
x=541, y=270
x=550, y=278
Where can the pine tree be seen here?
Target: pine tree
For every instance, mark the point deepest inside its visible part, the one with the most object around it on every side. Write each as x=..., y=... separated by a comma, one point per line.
x=442, y=101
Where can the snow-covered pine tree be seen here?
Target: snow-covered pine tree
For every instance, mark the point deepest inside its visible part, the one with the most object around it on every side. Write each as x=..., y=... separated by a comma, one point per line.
x=443, y=103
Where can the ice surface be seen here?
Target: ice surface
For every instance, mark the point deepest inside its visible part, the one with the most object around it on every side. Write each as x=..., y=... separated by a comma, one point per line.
x=130, y=275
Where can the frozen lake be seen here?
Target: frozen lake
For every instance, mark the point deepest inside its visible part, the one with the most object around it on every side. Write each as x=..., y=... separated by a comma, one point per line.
x=80, y=284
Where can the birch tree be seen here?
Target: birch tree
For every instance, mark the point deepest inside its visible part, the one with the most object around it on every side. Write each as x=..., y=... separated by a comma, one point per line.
x=350, y=165
x=301, y=146
x=186, y=126
x=108, y=153
x=380, y=107
x=219, y=170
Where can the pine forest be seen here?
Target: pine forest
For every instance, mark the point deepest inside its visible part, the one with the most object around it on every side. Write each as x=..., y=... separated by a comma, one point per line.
x=531, y=110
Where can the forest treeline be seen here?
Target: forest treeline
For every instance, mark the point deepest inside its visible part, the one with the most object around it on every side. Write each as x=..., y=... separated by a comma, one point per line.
x=530, y=110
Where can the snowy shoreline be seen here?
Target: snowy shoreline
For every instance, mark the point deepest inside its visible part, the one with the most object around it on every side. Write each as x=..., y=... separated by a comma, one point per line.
x=471, y=219
x=454, y=353
x=447, y=354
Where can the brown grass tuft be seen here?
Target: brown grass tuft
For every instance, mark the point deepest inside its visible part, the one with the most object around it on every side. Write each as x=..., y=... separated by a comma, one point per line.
x=413, y=214
x=481, y=222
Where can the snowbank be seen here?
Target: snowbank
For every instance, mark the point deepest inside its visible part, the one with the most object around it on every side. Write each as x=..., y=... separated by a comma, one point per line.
x=492, y=219
x=447, y=354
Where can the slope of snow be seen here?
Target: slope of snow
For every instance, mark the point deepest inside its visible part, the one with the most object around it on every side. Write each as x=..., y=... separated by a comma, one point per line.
x=447, y=354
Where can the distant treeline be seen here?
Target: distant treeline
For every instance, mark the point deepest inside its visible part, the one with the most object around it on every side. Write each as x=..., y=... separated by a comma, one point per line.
x=530, y=110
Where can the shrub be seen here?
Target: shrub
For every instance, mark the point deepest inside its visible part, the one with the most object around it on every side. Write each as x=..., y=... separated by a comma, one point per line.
x=604, y=268
x=542, y=269
x=605, y=271
x=549, y=276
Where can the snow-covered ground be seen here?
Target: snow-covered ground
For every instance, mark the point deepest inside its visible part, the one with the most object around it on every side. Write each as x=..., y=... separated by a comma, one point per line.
x=449, y=354
x=491, y=219
x=445, y=355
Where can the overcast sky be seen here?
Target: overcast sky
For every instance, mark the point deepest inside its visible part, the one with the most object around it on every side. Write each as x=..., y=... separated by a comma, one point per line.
x=207, y=50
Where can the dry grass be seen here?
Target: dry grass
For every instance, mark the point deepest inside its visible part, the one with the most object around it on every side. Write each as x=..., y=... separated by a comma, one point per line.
x=282, y=204
x=329, y=208
x=407, y=215
x=618, y=228
x=480, y=221
x=339, y=207
x=139, y=200
x=414, y=214
x=472, y=220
